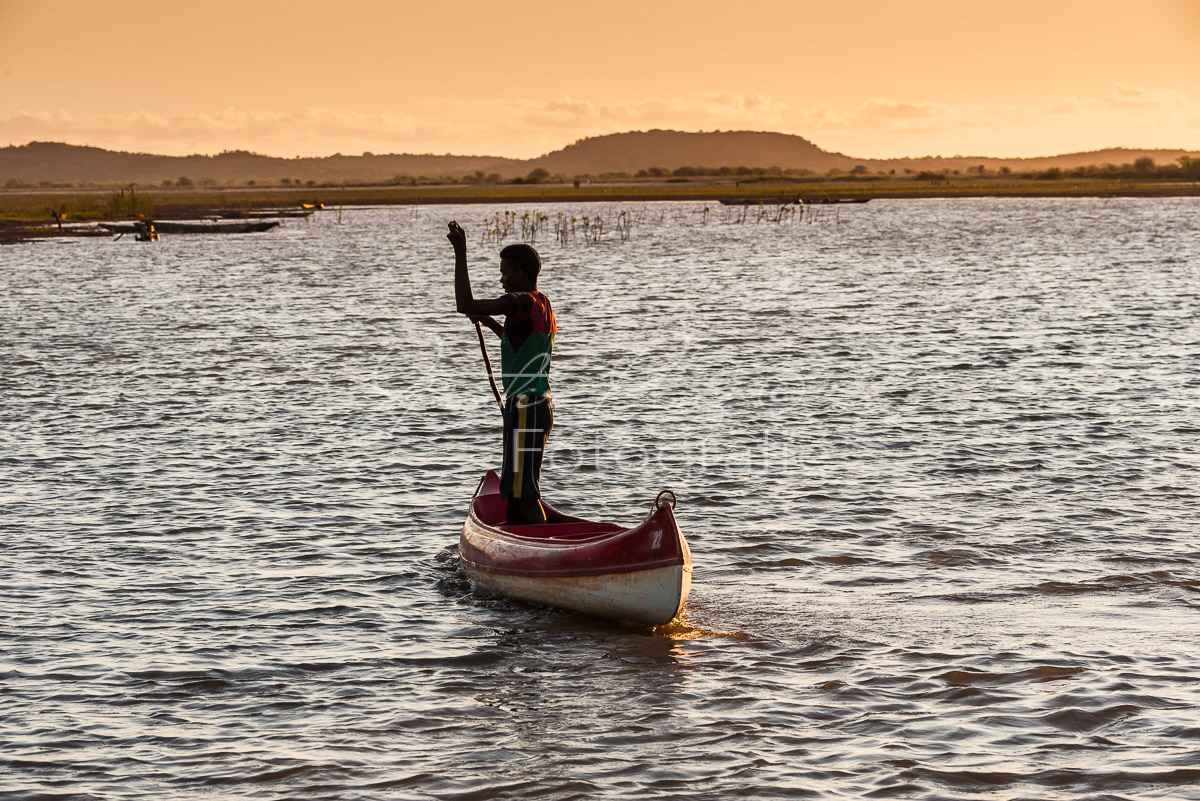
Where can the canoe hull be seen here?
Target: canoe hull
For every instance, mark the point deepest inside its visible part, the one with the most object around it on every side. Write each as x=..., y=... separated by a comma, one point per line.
x=645, y=597
x=640, y=575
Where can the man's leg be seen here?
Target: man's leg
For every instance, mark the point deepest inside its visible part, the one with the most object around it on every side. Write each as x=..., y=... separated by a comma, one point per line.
x=532, y=421
x=524, y=511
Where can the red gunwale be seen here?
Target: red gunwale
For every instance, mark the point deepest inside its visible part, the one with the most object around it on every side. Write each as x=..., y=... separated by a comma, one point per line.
x=565, y=546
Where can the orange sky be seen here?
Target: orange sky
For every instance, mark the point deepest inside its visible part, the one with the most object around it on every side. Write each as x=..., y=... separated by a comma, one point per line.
x=870, y=78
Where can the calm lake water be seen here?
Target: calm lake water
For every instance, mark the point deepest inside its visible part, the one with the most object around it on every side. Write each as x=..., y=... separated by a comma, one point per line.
x=937, y=461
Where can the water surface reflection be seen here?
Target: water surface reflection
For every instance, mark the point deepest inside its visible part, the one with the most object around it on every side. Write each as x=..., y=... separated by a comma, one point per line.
x=936, y=461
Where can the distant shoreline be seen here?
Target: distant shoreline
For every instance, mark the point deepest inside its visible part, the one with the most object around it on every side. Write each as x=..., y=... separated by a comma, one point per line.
x=28, y=213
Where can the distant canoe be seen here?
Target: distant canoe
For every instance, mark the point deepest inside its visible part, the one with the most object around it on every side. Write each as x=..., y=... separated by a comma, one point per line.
x=825, y=200
x=756, y=201
x=194, y=227
x=787, y=201
x=265, y=213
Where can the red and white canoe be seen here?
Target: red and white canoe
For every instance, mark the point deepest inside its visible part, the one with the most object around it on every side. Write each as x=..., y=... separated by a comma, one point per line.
x=637, y=575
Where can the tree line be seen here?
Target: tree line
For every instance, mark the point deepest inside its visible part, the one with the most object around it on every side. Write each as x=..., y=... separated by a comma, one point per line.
x=1184, y=168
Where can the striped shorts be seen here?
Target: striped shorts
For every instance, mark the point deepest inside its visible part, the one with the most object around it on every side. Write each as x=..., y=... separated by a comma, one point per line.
x=527, y=423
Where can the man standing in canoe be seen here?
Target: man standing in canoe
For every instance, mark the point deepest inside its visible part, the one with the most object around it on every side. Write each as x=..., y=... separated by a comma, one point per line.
x=526, y=343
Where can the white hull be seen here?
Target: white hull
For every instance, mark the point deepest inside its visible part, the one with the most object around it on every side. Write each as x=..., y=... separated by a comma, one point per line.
x=645, y=597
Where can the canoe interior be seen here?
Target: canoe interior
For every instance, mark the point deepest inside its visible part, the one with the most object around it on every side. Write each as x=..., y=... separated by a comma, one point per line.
x=489, y=507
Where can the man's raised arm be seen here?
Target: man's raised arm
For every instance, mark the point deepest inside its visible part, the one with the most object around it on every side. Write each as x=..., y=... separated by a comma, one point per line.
x=464, y=299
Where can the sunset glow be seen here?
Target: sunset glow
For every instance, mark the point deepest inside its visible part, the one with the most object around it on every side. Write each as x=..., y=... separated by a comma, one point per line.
x=870, y=78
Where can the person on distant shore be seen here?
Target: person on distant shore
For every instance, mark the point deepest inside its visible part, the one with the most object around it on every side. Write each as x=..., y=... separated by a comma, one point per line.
x=526, y=344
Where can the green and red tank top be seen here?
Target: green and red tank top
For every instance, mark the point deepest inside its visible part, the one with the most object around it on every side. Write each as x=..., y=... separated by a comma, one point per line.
x=526, y=344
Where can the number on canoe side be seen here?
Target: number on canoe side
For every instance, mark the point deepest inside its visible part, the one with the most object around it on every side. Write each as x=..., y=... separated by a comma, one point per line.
x=657, y=541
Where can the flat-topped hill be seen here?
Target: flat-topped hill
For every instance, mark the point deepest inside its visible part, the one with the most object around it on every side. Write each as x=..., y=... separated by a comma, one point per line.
x=637, y=150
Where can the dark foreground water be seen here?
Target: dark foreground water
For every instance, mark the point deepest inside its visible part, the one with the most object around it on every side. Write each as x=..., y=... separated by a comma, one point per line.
x=937, y=461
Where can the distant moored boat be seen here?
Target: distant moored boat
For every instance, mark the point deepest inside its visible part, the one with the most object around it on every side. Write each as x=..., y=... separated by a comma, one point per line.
x=194, y=227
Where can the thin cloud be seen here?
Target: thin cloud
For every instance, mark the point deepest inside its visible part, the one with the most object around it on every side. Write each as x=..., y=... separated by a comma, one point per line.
x=1138, y=97
x=880, y=127
x=311, y=130
x=1125, y=117
x=898, y=110
x=701, y=111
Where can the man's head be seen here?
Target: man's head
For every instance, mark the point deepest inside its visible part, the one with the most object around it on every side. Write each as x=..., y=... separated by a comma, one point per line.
x=519, y=268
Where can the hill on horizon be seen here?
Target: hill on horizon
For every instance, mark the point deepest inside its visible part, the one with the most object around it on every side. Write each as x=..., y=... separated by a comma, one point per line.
x=56, y=163
x=638, y=150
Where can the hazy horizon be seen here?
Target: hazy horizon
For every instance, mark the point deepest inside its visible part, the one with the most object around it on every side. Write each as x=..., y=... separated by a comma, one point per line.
x=868, y=78
x=336, y=153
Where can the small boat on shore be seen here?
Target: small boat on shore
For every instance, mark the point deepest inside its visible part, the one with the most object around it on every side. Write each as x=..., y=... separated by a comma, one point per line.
x=639, y=575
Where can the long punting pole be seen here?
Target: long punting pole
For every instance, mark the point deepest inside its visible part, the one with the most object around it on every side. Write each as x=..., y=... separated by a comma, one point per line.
x=487, y=362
